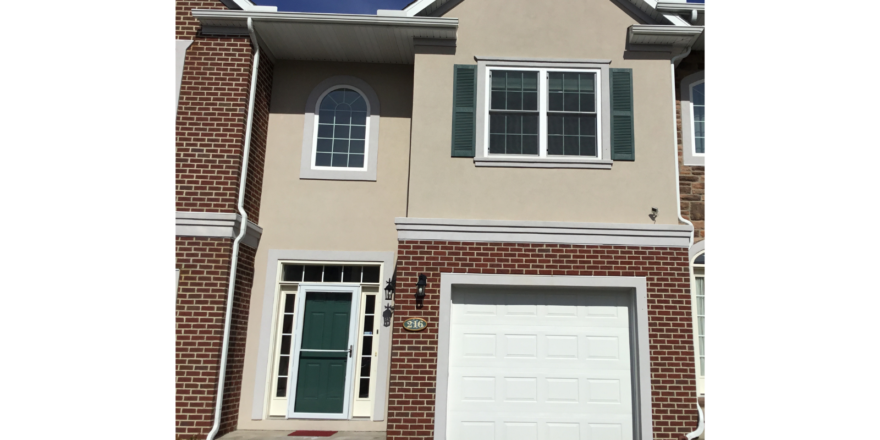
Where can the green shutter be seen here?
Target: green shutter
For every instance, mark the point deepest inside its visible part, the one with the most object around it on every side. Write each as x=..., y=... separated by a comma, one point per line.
x=623, y=145
x=464, y=103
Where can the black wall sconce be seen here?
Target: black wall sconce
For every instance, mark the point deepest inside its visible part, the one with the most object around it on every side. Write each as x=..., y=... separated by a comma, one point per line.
x=387, y=314
x=420, y=290
x=389, y=290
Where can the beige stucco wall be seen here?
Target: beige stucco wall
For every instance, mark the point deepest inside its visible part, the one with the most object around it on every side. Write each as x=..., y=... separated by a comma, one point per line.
x=446, y=187
x=323, y=214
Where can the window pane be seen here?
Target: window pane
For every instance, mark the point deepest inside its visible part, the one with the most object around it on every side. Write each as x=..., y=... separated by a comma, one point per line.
x=285, y=344
x=570, y=146
x=368, y=322
x=699, y=94
x=514, y=144
x=287, y=326
x=358, y=132
x=554, y=124
x=588, y=146
x=530, y=124
x=290, y=301
x=355, y=160
x=555, y=81
x=359, y=104
x=313, y=273
x=556, y=102
x=530, y=144
x=370, y=308
x=570, y=82
x=367, y=345
x=358, y=118
x=356, y=147
x=340, y=146
x=325, y=130
x=323, y=159
x=586, y=82
x=499, y=79
x=293, y=273
x=530, y=100
x=499, y=100
x=530, y=82
x=554, y=145
x=514, y=80
x=371, y=274
x=588, y=125
x=332, y=274
x=364, y=390
x=365, y=366
x=340, y=160
x=570, y=102
x=496, y=144
x=588, y=102
x=283, y=365
x=325, y=145
x=514, y=101
x=351, y=274
x=281, y=391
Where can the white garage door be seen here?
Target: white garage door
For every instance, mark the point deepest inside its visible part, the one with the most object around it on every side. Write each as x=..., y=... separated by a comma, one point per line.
x=539, y=364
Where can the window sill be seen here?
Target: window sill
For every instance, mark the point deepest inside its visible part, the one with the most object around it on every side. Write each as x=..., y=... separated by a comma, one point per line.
x=515, y=162
x=368, y=175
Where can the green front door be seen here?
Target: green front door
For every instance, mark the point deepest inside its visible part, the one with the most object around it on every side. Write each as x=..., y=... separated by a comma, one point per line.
x=324, y=354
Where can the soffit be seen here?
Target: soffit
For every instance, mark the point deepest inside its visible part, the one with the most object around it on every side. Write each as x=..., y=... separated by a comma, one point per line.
x=332, y=37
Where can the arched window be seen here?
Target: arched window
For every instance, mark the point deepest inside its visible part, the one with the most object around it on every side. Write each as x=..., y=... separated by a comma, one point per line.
x=342, y=129
x=698, y=296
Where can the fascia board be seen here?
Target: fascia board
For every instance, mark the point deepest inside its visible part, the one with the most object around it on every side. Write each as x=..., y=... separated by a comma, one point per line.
x=236, y=16
x=680, y=7
x=660, y=30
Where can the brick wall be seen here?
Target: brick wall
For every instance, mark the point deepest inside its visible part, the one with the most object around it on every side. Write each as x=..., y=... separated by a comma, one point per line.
x=692, y=179
x=414, y=355
x=204, y=265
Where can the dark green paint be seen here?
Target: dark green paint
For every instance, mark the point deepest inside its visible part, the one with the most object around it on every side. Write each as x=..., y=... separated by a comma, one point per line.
x=623, y=145
x=464, y=110
x=320, y=384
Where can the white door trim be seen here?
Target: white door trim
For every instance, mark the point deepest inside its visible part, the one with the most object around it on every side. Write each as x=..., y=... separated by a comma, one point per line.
x=304, y=288
x=636, y=286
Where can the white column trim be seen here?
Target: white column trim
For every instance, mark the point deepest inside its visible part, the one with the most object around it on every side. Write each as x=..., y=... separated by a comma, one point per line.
x=636, y=286
x=180, y=46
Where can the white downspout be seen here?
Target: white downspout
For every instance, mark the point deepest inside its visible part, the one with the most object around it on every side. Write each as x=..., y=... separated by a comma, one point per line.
x=701, y=425
x=241, y=233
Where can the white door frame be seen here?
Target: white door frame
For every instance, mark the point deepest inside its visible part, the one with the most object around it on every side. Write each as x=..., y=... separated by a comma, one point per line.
x=304, y=288
x=640, y=349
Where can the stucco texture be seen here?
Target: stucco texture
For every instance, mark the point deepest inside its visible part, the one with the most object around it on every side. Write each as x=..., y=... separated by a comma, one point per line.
x=445, y=187
x=327, y=215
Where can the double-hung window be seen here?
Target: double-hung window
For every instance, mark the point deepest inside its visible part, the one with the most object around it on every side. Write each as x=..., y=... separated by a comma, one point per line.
x=540, y=113
x=693, y=119
x=544, y=113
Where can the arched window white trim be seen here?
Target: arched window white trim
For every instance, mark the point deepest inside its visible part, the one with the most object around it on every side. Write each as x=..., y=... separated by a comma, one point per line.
x=309, y=168
x=698, y=306
x=688, y=120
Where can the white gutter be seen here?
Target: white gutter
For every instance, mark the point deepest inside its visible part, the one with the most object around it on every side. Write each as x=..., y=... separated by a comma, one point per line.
x=230, y=295
x=687, y=52
x=301, y=17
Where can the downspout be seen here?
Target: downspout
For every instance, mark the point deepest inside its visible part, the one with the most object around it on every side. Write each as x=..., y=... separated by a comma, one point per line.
x=701, y=425
x=230, y=295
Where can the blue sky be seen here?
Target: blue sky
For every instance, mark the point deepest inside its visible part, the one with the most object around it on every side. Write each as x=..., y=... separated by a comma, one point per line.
x=335, y=6
x=344, y=6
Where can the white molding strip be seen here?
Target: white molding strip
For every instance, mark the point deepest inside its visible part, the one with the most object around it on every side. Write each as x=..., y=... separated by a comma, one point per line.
x=261, y=382
x=637, y=287
x=621, y=234
x=216, y=224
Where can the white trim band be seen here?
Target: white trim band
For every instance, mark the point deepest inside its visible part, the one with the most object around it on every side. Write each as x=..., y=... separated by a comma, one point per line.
x=620, y=234
x=216, y=224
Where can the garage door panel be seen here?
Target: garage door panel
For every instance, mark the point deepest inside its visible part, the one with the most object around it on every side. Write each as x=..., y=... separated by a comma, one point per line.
x=549, y=428
x=539, y=364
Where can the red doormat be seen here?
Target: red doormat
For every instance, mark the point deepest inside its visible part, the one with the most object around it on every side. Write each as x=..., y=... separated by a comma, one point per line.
x=311, y=433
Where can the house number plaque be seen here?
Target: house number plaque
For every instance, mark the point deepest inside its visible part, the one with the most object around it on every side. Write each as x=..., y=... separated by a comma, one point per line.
x=415, y=324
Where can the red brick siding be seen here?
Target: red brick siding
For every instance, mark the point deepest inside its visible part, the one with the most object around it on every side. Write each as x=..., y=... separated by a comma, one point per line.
x=259, y=130
x=187, y=26
x=691, y=179
x=204, y=265
x=414, y=355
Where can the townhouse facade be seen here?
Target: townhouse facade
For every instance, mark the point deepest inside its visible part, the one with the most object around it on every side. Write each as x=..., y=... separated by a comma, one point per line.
x=467, y=219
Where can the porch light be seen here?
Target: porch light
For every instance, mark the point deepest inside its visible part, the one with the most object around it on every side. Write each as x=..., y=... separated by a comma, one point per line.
x=420, y=286
x=389, y=290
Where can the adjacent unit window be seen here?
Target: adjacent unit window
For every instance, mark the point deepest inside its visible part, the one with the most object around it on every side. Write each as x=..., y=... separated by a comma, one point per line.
x=700, y=312
x=693, y=119
x=698, y=106
x=544, y=112
x=342, y=129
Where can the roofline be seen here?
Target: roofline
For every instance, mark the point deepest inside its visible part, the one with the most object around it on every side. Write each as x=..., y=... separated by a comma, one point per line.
x=327, y=18
x=666, y=30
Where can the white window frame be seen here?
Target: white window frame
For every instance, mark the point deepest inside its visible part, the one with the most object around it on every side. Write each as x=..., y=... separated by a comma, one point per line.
x=700, y=374
x=690, y=156
x=603, y=109
x=308, y=170
x=318, y=121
